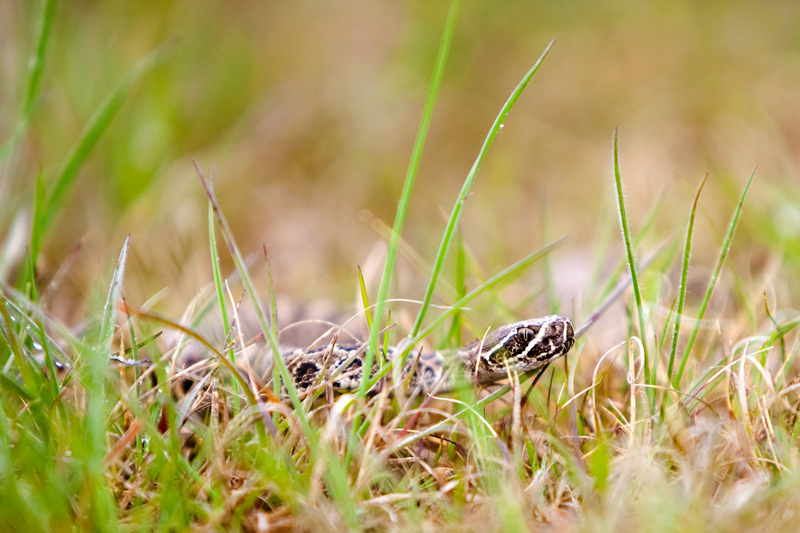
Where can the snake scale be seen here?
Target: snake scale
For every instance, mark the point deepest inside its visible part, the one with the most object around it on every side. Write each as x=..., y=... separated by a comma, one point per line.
x=517, y=347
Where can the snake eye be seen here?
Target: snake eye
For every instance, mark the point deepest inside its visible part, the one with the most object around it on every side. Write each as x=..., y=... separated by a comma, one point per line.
x=526, y=334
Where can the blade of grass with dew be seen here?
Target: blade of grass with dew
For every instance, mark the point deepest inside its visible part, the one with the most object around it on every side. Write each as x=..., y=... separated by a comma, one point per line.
x=714, y=276
x=456, y=212
x=626, y=234
x=97, y=124
x=48, y=359
x=687, y=251
x=408, y=186
x=23, y=330
x=489, y=450
x=20, y=316
x=36, y=63
x=26, y=370
x=223, y=310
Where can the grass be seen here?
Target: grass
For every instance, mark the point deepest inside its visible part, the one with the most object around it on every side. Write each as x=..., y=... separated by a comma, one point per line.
x=616, y=436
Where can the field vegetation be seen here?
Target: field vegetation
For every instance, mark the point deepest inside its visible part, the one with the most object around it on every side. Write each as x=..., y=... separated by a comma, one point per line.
x=194, y=177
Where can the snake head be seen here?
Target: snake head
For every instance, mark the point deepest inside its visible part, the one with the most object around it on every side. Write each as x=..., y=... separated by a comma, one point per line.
x=527, y=345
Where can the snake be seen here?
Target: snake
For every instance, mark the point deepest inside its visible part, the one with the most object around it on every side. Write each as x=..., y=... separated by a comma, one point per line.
x=512, y=348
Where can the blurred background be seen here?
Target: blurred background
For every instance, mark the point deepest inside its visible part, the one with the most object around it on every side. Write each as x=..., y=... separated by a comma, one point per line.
x=309, y=110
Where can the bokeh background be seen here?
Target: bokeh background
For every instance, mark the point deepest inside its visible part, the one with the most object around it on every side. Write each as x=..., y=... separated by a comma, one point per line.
x=309, y=110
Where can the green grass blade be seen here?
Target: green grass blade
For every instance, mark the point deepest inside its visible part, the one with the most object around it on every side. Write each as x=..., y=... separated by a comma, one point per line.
x=110, y=309
x=273, y=304
x=461, y=288
x=134, y=350
x=364, y=298
x=273, y=313
x=13, y=141
x=408, y=186
x=714, y=276
x=48, y=358
x=39, y=208
x=13, y=387
x=626, y=234
x=91, y=134
x=663, y=336
x=687, y=250
x=223, y=310
x=613, y=279
x=8, y=330
x=102, y=509
x=37, y=62
x=218, y=285
x=462, y=197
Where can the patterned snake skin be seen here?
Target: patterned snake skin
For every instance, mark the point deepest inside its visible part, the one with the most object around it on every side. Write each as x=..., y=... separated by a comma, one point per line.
x=518, y=347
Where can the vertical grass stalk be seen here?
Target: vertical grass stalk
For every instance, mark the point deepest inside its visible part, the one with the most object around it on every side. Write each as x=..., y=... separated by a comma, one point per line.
x=465, y=188
x=34, y=76
x=626, y=234
x=408, y=186
x=223, y=310
x=714, y=276
x=102, y=508
x=687, y=250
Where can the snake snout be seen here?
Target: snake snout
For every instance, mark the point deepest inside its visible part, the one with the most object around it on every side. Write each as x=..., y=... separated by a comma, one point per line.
x=561, y=335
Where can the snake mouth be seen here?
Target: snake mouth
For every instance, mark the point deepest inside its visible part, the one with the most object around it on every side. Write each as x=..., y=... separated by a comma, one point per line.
x=560, y=336
x=569, y=336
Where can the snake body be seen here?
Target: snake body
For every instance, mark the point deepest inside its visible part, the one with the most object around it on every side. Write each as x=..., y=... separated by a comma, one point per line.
x=517, y=347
